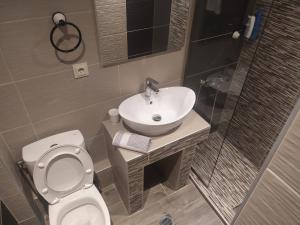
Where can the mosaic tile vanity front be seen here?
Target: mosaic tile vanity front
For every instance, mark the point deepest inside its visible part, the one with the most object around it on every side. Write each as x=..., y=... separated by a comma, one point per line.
x=128, y=166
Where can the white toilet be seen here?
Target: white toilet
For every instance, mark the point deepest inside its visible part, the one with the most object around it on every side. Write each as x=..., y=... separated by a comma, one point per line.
x=63, y=173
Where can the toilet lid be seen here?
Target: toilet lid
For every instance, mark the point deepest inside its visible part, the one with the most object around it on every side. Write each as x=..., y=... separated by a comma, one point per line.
x=63, y=170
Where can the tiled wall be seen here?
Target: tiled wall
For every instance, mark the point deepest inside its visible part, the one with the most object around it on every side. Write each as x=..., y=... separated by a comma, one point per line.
x=272, y=85
x=276, y=198
x=38, y=95
x=11, y=192
x=6, y=218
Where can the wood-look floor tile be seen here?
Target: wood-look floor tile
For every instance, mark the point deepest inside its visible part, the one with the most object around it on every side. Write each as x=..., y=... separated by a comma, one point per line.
x=186, y=206
x=153, y=195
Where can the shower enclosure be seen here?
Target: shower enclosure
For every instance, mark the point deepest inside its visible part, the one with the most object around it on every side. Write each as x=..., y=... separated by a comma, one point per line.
x=216, y=70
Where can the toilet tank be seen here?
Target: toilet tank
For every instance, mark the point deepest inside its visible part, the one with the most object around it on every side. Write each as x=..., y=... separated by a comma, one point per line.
x=32, y=152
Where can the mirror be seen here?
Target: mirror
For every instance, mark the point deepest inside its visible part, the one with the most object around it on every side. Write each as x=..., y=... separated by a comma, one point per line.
x=128, y=29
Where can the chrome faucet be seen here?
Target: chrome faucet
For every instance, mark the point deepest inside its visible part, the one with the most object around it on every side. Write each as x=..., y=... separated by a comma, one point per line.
x=151, y=86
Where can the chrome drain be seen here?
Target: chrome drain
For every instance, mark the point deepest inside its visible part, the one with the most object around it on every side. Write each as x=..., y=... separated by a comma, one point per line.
x=156, y=117
x=166, y=220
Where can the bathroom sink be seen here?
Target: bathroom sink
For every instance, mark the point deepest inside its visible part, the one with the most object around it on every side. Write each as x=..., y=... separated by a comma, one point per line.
x=158, y=114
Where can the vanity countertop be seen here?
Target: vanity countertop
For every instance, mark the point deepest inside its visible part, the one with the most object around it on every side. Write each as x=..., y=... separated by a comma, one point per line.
x=192, y=124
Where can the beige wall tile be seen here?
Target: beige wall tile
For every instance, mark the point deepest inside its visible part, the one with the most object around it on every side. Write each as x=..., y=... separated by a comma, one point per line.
x=28, y=52
x=105, y=178
x=9, y=166
x=132, y=76
x=8, y=185
x=12, y=113
x=55, y=94
x=6, y=159
x=4, y=76
x=2, y=149
x=273, y=202
x=19, y=207
x=16, y=9
x=87, y=120
x=166, y=67
x=97, y=148
x=17, y=139
x=2, y=145
x=172, y=83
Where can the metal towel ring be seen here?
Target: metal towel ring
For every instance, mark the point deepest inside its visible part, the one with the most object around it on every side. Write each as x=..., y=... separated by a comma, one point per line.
x=59, y=20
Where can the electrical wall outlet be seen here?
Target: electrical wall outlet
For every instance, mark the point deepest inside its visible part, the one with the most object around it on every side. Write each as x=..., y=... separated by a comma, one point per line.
x=80, y=70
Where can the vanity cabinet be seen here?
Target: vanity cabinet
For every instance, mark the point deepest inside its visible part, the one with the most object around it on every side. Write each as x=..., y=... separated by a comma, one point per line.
x=172, y=153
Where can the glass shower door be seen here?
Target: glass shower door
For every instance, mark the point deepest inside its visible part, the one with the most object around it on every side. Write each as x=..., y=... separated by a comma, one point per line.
x=211, y=72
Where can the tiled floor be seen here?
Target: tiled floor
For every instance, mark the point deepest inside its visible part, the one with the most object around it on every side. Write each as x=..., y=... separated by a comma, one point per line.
x=186, y=206
x=230, y=182
x=206, y=156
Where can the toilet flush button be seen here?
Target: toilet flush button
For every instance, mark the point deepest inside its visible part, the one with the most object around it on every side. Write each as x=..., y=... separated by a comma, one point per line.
x=77, y=150
x=45, y=191
x=88, y=171
x=41, y=165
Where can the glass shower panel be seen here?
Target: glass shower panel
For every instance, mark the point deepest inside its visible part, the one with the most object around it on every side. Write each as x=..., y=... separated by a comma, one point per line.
x=211, y=73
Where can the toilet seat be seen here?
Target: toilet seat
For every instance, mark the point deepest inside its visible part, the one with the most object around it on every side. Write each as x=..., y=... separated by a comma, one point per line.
x=62, y=171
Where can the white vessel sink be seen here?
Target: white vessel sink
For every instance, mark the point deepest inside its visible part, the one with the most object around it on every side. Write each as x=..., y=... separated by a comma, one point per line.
x=160, y=114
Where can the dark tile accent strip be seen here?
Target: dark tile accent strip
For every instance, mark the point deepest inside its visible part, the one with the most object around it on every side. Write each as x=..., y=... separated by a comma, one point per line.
x=272, y=85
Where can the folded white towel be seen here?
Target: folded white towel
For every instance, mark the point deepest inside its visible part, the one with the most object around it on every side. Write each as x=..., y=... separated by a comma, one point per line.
x=132, y=141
